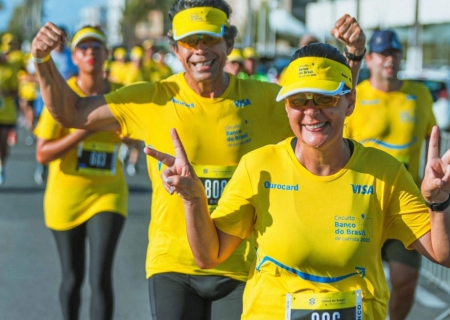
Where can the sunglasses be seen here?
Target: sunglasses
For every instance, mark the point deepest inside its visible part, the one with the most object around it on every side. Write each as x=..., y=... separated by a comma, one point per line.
x=94, y=45
x=190, y=42
x=300, y=100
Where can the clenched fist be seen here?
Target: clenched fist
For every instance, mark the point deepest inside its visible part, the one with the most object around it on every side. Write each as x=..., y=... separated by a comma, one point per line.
x=47, y=39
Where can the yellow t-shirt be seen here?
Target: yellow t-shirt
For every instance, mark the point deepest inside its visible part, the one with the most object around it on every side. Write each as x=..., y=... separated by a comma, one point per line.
x=318, y=234
x=118, y=71
x=87, y=180
x=28, y=90
x=153, y=71
x=133, y=74
x=8, y=84
x=216, y=134
x=396, y=122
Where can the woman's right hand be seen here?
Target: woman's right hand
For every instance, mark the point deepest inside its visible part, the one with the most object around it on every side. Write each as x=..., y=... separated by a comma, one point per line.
x=179, y=176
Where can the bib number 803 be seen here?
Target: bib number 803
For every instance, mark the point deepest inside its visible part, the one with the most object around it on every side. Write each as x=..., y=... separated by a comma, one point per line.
x=98, y=159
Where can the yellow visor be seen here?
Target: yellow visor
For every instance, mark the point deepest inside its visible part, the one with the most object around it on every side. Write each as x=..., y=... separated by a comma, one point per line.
x=199, y=20
x=235, y=56
x=316, y=75
x=87, y=33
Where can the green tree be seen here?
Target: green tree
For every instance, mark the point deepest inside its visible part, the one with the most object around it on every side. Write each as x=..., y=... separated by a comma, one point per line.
x=26, y=19
x=136, y=11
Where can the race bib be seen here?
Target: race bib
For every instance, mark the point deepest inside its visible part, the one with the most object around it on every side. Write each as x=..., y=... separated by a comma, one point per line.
x=96, y=158
x=214, y=179
x=324, y=306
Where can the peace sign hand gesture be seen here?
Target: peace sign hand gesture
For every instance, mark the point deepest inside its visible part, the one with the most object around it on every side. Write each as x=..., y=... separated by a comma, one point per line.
x=179, y=176
x=435, y=185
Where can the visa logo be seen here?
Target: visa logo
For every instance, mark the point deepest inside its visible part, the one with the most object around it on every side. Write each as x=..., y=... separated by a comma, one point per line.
x=242, y=103
x=362, y=189
x=370, y=102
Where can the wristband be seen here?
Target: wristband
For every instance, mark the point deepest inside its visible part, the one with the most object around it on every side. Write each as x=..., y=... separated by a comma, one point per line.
x=40, y=60
x=352, y=57
x=438, y=206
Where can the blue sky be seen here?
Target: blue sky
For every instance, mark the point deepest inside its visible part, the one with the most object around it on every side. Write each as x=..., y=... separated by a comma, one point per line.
x=65, y=12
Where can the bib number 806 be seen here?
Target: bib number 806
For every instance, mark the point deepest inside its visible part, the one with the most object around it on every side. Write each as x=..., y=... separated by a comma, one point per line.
x=326, y=316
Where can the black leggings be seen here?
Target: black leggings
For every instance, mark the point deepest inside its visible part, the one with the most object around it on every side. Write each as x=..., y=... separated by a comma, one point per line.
x=102, y=232
x=177, y=296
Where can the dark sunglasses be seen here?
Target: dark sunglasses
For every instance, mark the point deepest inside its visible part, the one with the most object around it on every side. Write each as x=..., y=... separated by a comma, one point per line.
x=190, y=42
x=300, y=100
x=94, y=45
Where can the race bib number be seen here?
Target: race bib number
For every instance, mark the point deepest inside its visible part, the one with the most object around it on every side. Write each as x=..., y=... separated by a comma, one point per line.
x=96, y=158
x=324, y=306
x=214, y=179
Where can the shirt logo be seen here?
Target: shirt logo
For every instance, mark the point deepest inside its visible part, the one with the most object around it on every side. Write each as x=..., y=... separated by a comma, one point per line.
x=410, y=97
x=181, y=103
x=242, y=103
x=362, y=189
x=369, y=102
x=284, y=187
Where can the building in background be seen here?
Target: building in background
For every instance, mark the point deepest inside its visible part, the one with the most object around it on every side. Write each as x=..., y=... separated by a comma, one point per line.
x=108, y=17
x=95, y=15
x=422, y=25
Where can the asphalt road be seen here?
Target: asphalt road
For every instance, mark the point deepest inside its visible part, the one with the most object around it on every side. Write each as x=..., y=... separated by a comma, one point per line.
x=29, y=266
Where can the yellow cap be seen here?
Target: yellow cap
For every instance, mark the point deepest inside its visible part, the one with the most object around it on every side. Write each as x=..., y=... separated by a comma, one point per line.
x=317, y=75
x=7, y=38
x=5, y=48
x=119, y=53
x=235, y=56
x=147, y=44
x=250, y=53
x=136, y=53
x=199, y=20
x=88, y=33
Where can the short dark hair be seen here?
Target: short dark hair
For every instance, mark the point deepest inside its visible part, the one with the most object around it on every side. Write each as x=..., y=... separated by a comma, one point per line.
x=322, y=50
x=180, y=5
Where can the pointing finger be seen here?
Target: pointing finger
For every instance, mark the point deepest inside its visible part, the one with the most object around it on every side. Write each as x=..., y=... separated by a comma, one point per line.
x=180, y=152
x=165, y=158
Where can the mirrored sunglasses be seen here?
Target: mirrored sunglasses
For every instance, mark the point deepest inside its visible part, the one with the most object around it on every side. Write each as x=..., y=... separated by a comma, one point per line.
x=190, y=42
x=300, y=100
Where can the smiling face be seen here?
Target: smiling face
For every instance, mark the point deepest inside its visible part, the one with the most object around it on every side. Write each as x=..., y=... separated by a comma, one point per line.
x=89, y=56
x=204, y=63
x=316, y=126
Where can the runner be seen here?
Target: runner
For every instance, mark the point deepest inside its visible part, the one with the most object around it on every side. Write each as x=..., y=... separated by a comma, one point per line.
x=226, y=117
x=315, y=260
x=86, y=193
x=235, y=64
x=394, y=116
x=8, y=111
